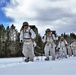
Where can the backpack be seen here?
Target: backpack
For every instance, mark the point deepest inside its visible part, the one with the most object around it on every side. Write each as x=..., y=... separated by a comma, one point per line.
x=34, y=28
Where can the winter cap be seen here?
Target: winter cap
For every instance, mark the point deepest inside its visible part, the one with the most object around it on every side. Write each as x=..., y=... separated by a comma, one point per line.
x=48, y=30
x=25, y=24
x=62, y=38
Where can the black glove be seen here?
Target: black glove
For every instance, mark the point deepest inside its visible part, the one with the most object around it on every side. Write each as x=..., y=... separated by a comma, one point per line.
x=58, y=48
x=21, y=43
x=65, y=44
x=43, y=37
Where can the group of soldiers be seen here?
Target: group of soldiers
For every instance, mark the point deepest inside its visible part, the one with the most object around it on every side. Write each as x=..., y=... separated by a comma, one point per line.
x=27, y=37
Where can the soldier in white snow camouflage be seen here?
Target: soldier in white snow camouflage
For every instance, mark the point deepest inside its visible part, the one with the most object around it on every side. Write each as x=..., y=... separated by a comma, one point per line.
x=27, y=36
x=48, y=39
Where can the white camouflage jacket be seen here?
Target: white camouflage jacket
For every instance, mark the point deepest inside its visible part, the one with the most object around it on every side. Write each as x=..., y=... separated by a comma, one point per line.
x=24, y=34
x=62, y=44
x=50, y=38
x=73, y=45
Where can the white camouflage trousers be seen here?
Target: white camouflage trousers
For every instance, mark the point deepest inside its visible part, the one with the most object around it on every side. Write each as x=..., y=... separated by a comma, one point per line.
x=69, y=51
x=74, y=51
x=63, y=52
x=28, y=50
x=50, y=48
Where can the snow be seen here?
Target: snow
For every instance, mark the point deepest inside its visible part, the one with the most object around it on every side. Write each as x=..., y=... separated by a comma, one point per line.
x=16, y=66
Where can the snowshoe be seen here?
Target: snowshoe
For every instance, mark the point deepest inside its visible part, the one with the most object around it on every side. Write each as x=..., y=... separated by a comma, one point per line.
x=27, y=60
x=66, y=57
x=53, y=58
x=37, y=58
x=31, y=60
x=58, y=57
x=47, y=59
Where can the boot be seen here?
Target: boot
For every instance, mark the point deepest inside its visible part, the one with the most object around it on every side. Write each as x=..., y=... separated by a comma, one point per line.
x=31, y=60
x=65, y=56
x=53, y=58
x=27, y=59
x=47, y=59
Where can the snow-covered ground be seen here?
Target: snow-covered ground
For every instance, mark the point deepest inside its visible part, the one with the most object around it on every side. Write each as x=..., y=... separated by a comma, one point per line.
x=16, y=66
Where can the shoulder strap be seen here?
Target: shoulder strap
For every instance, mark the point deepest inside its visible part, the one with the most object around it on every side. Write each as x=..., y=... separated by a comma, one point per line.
x=52, y=37
x=64, y=42
x=60, y=43
x=30, y=32
x=46, y=37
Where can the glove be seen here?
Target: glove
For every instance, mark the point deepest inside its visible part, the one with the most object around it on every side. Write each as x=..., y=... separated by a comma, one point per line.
x=58, y=48
x=21, y=42
x=65, y=44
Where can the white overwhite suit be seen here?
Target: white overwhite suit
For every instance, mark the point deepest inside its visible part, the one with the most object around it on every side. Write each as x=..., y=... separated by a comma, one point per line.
x=26, y=36
x=62, y=48
x=73, y=46
x=69, y=50
x=50, y=45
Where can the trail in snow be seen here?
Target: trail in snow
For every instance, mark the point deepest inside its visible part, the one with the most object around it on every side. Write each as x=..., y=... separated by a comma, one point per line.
x=12, y=66
x=6, y=62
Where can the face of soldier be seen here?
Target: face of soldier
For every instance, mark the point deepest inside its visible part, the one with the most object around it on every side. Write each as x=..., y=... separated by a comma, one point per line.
x=62, y=39
x=25, y=27
x=48, y=34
